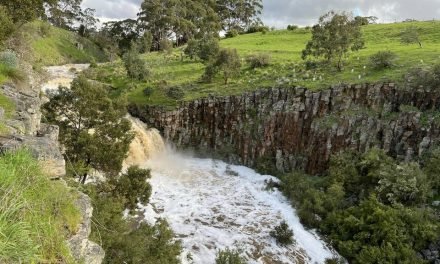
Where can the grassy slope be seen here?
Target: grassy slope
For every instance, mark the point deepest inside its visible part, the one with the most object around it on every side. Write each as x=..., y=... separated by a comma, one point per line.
x=36, y=214
x=287, y=68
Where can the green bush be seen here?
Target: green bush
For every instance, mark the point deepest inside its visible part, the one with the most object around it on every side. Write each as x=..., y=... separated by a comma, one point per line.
x=192, y=49
x=257, y=28
x=133, y=187
x=175, y=92
x=9, y=59
x=426, y=77
x=45, y=29
x=165, y=45
x=292, y=27
x=209, y=48
x=383, y=60
x=136, y=67
x=282, y=234
x=229, y=256
x=232, y=33
x=258, y=60
x=6, y=25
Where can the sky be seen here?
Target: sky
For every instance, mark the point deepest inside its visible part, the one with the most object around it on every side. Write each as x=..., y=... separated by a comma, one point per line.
x=280, y=13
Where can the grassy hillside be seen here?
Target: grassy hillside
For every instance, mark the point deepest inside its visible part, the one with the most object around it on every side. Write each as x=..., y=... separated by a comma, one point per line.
x=55, y=46
x=287, y=67
x=36, y=214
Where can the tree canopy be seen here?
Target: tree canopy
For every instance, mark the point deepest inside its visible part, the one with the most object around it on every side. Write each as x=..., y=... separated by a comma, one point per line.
x=93, y=129
x=334, y=36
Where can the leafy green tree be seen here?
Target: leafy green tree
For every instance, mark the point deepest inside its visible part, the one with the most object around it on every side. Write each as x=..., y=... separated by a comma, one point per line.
x=333, y=37
x=64, y=13
x=145, y=42
x=93, y=129
x=411, y=35
x=133, y=187
x=228, y=62
x=121, y=34
x=239, y=14
x=22, y=11
x=205, y=49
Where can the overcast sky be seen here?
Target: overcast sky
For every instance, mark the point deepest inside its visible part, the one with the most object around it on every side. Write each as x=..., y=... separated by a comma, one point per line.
x=280, y=13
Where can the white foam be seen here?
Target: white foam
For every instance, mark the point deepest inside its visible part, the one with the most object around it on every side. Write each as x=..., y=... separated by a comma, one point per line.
x=210, y=209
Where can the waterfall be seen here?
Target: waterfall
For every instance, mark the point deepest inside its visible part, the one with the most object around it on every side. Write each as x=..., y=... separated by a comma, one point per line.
x=146, y=143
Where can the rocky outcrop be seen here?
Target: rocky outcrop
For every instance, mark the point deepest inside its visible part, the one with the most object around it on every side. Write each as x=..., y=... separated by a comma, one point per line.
x=296, y=128
x=84, y=250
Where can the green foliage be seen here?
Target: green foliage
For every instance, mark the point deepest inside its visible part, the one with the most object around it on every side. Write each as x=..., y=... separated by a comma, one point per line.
x=205, y=49
x=282, y=234
x=232, y=33
x=123, y=239
x=133, y=186
x=24, y=10
x=145, y=42
x=166, y=46
x=229, y=256
x=432, y=169
x=372, y=208
x=334, y=36
x=93, y=129
x=257, y=28
x=258, y=60
x=36, y=215
x=9, y=59
x=136, y=67
x=383, y=60
x=228, y=62
x=148, y=91
x=6, y=25
x=426, y=77
x=410, y=36
x=175, y=92
x=292, y=27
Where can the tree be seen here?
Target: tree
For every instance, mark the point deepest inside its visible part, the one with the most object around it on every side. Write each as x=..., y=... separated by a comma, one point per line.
x=145, y=42
x=133, y=187
x=334, y=36
x=120, y=33
x=239, y=14
x=205, y=49
x=227, y=61
x=22, y=11
x=93, y=129
x=64, y=13
x=410, y=36
x=88, y=22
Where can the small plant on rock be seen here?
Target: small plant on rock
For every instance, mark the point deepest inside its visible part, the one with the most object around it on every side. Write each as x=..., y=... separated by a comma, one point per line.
x=229, y=256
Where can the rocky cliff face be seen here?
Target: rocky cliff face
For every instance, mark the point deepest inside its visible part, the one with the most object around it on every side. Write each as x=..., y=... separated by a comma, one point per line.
x=295, y=128
x=26, y=130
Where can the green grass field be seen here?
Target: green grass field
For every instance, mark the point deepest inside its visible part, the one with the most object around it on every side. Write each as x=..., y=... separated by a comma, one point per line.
x=287, y=68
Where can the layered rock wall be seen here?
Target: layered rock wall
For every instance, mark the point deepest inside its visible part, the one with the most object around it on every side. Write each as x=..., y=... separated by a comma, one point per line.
x=296, y=128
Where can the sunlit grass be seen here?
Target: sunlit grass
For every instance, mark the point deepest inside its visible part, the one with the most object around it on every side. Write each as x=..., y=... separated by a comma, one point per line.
x=287, y=68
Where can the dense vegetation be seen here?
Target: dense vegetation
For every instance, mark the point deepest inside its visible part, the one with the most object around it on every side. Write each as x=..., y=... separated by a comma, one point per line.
x=36, y=215
x=372, y=208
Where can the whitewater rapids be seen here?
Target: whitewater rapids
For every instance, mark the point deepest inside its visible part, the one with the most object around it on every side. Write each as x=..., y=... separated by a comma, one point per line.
x=211, y=205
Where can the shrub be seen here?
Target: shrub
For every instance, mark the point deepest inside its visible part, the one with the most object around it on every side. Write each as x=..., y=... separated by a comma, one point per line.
x=283, y=234
x=311, y=65
x=135, y=66
x=9, y=58
x=229, y=256
x=257, y=28
x=192, y=49
x=258, y=60
x=427, y=77
x=209, y=48
x=45, y=29
x=165, y=45
x=148, y=91
x=175, y=92
x=292, y=27
x=232, y=33
x=6, y=24
x=383, y=60
x=93, y=64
